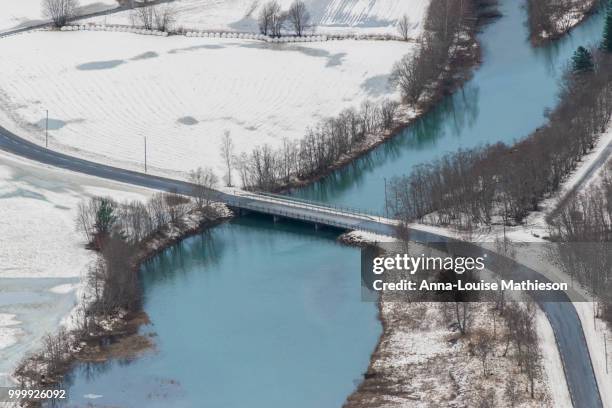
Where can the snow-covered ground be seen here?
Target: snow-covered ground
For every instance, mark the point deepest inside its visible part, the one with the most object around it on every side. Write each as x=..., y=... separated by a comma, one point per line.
x=24, y=13
x=349, y=16
x=422, y=361
x=181, y=93
x=595, y=331
x=551, y=362
x=42, y=257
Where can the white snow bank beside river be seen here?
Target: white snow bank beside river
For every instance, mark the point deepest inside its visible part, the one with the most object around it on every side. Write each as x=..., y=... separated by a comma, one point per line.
x=182, y=93
x=42, y=257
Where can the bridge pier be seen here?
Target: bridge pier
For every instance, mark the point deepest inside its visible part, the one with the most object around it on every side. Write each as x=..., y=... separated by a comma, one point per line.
x=275, y=218
x=241, y=211
x=316, y=226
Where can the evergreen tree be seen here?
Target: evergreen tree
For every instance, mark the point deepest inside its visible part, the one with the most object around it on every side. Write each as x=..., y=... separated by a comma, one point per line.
x=582, y=60
x=607, y=34
x=105, y=217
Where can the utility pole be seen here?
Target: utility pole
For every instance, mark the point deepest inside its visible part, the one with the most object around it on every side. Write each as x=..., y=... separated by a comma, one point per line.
x=145, y=152
x=606, y=351
x=47, y=131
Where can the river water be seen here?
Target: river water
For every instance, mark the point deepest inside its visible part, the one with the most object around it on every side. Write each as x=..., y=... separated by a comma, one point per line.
x=258, y=314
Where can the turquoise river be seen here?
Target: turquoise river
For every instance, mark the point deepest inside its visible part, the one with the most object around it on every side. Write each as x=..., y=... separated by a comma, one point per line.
x=258, y=314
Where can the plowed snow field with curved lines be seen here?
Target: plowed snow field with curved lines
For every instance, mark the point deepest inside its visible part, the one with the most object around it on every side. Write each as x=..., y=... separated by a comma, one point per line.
x=106, y=91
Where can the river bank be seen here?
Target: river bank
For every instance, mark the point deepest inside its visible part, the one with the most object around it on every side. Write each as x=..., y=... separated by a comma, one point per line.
x=465, y=56
x=116, y=335
x=548, y=24
x=422, y=357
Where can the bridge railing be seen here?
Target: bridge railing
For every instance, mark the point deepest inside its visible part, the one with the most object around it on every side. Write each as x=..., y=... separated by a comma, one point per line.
x=314, y=205
x=254, y=206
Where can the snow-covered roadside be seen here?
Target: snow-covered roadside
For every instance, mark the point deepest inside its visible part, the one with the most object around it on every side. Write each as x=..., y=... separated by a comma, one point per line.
x=42, y=257
x=594, y=331
x=551, y=361
x=16, y=14
x=535, y=226
x=327, y=16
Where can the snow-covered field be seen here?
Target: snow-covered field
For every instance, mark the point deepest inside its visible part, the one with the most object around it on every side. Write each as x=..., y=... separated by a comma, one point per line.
x=181, y=93
x=355, y=16
x=23, y=13
x=422, y=361
x=42, y=257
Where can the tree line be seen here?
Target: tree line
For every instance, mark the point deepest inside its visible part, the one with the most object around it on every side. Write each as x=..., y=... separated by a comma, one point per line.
x=267, y=168
x=583, y=230
x=272, y=20
x=471, y=187
x=548, y=19
x=119, y=232
x=442, y=44
x=332, y=139
x=507, y=330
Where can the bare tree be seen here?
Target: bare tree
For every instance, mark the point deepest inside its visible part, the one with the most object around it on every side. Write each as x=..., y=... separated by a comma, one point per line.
x=267, y=16
x=512, y=391
x=388, y=108
x=278, y=22
x=177, y=207
x=144, y=15
x=483, y=347
x=403, y=27
x=299, y=17
x=59, y=11
x=164, y=17
x=486, y=399
x=204, y=180
x=227, y=152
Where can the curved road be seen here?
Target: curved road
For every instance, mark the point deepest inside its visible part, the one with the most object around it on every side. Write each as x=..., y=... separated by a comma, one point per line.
x=561, y=314
x=599, y=162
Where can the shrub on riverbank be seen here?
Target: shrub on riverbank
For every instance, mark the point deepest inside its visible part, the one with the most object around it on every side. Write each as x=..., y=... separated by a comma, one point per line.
x=111, y=307
x=583, y=228
x=445, y=50
x=550, y=19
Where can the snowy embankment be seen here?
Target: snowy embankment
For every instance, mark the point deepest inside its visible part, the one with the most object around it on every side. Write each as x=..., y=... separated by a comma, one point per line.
x=328, y=16
x=15, y=14
x=42, y=257
x=181, y=93
x=599, y=340
x=423, y=361
x=563, y=16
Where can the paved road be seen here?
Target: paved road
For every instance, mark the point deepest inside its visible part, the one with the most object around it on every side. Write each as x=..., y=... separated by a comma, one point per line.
x=562, y=315
x=600, y=161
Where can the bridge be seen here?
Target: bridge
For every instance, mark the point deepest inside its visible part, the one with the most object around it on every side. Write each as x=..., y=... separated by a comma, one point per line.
x=562, y=316
x=318, y=214
x=274, y=205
